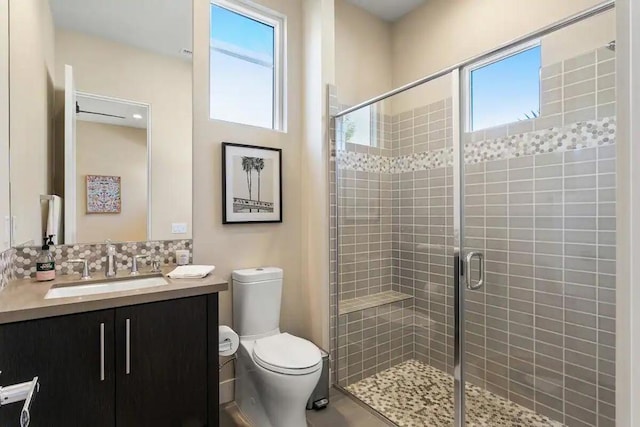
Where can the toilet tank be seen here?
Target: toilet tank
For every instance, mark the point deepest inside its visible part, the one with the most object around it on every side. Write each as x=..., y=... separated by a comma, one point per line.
x=257, y=293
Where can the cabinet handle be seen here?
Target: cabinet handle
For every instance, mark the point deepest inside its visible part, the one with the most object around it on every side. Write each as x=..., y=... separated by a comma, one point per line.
x=127, y=362
x=101, y=351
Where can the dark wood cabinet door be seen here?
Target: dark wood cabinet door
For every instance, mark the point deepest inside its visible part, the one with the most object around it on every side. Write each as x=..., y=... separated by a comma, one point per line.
x=161, y=364
x=66, y=353
x=213, y=361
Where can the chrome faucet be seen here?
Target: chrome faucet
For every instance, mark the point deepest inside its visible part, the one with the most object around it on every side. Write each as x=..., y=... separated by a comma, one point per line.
x=85, y=267
x=134, y=264
x=110, y=270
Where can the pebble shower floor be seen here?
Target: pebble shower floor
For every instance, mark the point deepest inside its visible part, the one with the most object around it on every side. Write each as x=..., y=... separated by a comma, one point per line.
x=414, y=394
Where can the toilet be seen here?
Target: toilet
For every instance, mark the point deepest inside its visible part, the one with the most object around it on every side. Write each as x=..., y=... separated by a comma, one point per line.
x=276, y=372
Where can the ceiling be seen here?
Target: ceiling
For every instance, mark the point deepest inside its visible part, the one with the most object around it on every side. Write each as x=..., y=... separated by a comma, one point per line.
x=116, y=108
x=389, y=10
x=160, y=26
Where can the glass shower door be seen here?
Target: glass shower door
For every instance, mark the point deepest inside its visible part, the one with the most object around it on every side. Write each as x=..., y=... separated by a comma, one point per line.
x=538, y=190
x=395, y=247
x=474, y=233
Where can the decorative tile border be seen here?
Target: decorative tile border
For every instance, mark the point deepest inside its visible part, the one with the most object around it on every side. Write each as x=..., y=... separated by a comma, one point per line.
x=24, y=259
x=576, y=136
x=6, y=271
x=557, y=139
x=423, y=161
x=363, y=162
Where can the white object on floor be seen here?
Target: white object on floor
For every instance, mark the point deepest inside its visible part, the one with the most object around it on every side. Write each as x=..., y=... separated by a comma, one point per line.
x=191, y=271
x=276, y=372
x=228, y=341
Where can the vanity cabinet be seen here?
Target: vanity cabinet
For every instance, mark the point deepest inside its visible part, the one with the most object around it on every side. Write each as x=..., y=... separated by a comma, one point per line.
x=142, y=365
x=66, y=353
x=161, y=360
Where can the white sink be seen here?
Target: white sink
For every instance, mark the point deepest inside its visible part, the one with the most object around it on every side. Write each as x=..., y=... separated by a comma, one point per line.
x=104, y=287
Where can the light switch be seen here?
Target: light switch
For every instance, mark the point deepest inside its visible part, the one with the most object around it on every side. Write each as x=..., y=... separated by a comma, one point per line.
x=178, y=228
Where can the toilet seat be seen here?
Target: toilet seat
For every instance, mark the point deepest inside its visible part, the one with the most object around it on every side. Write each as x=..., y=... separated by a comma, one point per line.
x=287, y=354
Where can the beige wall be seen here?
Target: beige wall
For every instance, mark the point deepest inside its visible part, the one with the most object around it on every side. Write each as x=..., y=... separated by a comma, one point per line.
x=319, y=71
x=374, y=56
x=442, y=33
x=230, y=247
x=31, y=106
x=100, y=150
x=111, y=69
x=362, y=54
x=4, y=125
x=579, y=38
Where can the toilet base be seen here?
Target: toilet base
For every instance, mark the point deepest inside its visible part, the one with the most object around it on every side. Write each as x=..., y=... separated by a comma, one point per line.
x=269, y=399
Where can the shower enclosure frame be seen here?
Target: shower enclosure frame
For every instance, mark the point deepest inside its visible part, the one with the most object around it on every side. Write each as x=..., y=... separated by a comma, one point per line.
x=460, y=96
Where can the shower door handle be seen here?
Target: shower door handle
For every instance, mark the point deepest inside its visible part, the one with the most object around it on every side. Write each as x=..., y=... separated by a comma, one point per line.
x=467, y=270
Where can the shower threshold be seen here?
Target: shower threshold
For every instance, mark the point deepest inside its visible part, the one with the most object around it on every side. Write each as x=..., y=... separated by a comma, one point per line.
x=414, y=394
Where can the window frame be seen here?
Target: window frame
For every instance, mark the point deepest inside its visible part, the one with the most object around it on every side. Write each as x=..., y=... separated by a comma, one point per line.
x=278, y=22
x=373, y=127
x=468, y=94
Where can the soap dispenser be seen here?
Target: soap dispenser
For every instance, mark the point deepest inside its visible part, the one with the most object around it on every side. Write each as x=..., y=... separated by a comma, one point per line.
x=46, y=264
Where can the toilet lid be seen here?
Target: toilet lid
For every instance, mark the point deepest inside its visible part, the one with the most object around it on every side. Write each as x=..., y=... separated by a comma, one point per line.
x=287, y=354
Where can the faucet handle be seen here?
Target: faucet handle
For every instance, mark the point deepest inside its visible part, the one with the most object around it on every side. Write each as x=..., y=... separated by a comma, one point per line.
x=134, y=264
x=85, y=267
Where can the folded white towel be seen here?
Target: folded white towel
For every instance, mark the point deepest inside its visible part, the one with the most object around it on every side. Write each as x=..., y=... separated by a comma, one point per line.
x=191, y=271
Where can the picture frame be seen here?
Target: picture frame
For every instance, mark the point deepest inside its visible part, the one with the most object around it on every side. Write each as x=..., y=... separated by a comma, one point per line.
x=104, y=194
x=251, y=184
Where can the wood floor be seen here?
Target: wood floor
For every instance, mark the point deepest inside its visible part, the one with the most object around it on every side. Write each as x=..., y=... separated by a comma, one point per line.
x=343, y=411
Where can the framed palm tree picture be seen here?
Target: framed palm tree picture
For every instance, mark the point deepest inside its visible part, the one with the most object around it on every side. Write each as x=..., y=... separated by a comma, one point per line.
x=251, y=184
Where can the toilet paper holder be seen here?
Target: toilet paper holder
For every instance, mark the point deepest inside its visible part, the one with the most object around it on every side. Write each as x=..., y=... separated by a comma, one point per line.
x=21, y=392
x=225, y=345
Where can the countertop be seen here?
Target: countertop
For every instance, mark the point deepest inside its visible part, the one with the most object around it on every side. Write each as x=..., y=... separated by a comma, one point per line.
x=23, y=299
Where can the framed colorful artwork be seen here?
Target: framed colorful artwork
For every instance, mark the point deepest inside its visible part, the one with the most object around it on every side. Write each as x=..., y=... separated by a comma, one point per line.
x=103, y=194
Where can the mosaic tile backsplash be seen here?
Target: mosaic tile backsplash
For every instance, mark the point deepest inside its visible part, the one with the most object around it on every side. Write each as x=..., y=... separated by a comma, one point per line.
x=6, y=270
x=24, y=258
x=540, y=204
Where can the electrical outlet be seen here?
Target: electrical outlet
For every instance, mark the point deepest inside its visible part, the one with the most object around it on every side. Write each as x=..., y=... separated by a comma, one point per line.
x=178, y=228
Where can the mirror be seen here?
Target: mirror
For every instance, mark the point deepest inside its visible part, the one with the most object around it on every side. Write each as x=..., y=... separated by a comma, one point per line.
x=5, y=229
x=101, y=123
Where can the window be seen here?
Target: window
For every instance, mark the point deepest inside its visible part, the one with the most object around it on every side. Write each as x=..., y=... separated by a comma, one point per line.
x=505, y=89
x=359, y=127
x=245, y=65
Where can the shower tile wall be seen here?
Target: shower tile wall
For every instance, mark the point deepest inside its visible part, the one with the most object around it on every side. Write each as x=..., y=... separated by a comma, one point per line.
x=365, y=233
x=376, y=338
x=541, y=206
x=541, y=332
x=540, y=203
x=423, y=227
